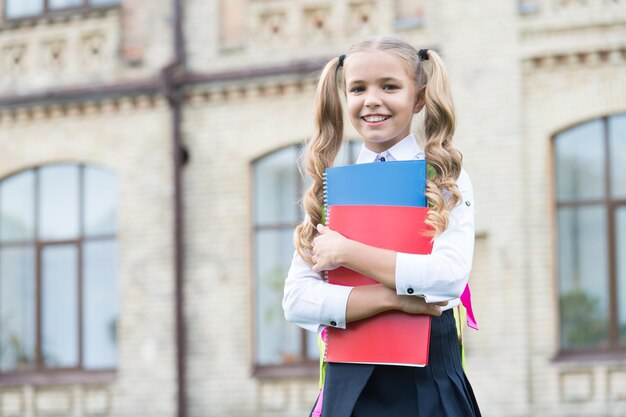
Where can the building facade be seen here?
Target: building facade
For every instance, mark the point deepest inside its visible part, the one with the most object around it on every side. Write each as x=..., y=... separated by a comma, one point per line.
x=149, y=188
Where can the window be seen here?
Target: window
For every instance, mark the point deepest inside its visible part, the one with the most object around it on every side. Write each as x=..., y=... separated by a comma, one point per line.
x=58, y=275
x=15, y=9
x=409, y=14
x=278, y=187
x=526, y=7
x=591, y=219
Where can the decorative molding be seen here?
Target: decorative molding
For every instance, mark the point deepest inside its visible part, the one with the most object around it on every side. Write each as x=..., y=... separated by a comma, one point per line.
x=53, y=54
x=290, y=24
x=271, y=27
x=208, y=94
x=49, y=111
x=53, y=401
x=92, y=45
x=49, y=400
x=59, y=18
x=39, y=57
x=576, y=386
x=195, y=96
x=616, y=384
x=273, y=395
x=307, y=390
x=12, y=402
x=362, y=19
x=574, y=60
x=266, y=81
x=540, y=19
x=12, y=59
x=317, y=26
x=97, y=401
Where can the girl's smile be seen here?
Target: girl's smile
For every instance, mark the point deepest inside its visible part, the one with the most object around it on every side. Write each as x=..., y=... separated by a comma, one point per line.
x=381, y=98
x=375, y=120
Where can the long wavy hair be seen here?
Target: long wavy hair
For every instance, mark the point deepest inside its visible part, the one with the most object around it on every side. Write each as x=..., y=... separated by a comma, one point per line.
x=439, y=126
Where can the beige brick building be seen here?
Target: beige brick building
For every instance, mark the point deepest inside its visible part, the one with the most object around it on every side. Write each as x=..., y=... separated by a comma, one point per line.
x=138, y=283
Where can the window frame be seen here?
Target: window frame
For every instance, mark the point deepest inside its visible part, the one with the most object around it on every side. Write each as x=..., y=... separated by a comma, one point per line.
x=615, y=349
x=304, y=367
x=40, y=373
x=85, y=6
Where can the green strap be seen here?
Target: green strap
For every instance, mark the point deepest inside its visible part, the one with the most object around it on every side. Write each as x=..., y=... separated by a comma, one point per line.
x=460, y=317
x=430, y=171
x=322, y=347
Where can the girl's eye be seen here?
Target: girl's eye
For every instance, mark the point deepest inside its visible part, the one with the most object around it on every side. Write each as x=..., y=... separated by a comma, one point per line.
x=357, y=89
x=390, y=87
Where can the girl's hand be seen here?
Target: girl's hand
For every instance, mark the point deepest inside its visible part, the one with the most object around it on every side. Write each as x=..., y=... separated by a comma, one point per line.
x=417, y=305
x=328, y=248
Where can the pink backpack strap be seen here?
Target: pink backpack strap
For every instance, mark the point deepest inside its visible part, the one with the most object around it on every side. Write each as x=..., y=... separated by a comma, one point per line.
x=317, y=411
x=466, y=300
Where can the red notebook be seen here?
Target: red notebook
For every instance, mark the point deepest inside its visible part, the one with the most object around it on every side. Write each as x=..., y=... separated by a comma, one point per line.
x=394, y=337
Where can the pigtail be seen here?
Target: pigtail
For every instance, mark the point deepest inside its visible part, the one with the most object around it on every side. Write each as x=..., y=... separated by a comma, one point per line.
x=439, y=127
x=322, y=150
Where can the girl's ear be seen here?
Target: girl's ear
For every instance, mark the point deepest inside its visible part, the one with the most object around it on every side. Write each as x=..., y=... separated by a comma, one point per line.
x=420, y=99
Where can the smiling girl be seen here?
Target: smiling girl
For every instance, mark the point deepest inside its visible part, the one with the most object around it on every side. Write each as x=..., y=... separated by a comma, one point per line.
x=385, y=81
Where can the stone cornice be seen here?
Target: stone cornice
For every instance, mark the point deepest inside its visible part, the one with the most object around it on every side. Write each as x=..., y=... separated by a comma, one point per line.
x=574, y=60
x=197, y=89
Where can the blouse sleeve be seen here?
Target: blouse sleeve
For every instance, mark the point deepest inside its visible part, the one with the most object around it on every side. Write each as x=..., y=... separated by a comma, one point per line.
x=311, y=302
x=443, y=274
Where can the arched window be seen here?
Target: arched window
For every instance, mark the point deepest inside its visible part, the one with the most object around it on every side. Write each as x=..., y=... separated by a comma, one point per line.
x=591, y=219
x=278, y=187
x=58, y=269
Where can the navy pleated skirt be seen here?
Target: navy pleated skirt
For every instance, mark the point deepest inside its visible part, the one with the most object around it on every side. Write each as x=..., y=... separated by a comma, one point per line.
x=440, y=389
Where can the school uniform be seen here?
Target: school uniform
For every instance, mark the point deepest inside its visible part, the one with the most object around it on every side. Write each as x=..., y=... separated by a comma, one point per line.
x=440, y=389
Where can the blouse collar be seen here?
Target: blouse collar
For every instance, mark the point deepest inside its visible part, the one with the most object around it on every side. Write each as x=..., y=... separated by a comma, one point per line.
x=405, y=150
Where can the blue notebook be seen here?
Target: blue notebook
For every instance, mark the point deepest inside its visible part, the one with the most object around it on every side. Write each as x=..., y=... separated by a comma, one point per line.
x=391, y=183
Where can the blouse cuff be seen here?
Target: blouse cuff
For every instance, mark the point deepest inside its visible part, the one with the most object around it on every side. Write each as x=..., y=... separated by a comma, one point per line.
x=334, y=306
x=412, y=276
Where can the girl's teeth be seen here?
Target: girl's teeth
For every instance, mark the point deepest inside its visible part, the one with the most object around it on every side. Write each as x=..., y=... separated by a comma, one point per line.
x=374, y=119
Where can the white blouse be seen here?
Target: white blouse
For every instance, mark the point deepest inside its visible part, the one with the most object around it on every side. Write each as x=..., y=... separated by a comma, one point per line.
x=310, y=302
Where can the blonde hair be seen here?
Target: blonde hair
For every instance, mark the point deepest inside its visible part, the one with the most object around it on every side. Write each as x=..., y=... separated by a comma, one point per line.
x=439, y=126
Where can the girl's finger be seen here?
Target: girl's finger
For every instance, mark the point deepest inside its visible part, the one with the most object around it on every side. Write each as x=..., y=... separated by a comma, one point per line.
x=436, y=310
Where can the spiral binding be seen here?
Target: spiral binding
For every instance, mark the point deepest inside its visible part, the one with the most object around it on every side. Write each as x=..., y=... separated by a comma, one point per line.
x=326, y=211
x=325, y=273
x=326, y=195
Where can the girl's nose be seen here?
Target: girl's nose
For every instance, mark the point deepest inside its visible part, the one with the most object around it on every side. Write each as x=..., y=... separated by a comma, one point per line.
x=372, y=99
